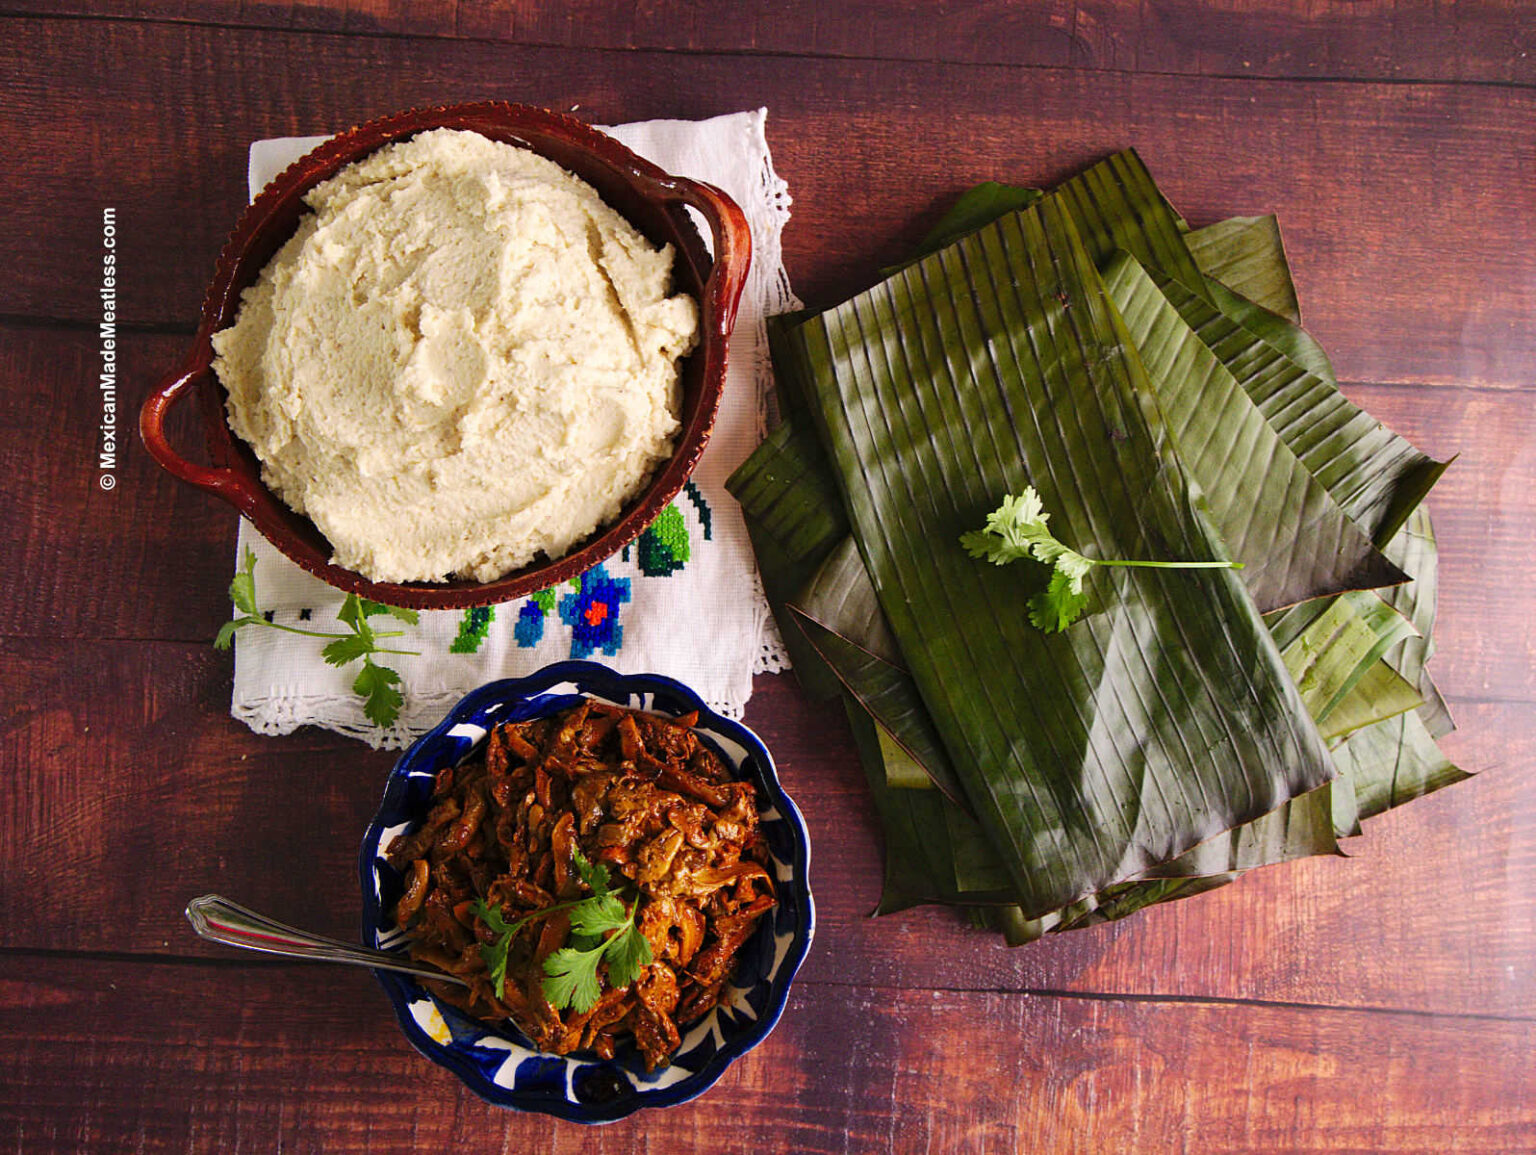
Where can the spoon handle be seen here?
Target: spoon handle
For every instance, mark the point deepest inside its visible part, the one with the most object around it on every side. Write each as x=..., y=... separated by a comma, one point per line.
x=217, y=919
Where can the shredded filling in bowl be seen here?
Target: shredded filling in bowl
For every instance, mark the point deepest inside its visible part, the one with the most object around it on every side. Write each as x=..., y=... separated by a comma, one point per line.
x=592, y=876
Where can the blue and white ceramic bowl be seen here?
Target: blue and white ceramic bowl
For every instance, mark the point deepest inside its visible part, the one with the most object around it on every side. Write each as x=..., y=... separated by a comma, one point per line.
x=497, y=1061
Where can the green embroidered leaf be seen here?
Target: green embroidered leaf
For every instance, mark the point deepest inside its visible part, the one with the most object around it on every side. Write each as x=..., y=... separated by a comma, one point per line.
x=663, y=548
x=473, y=628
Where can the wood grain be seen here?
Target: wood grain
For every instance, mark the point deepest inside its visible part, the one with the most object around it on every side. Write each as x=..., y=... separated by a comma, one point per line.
x=96, y=1056
x=1483, y=42
x=1401, y=203
x=141, y=793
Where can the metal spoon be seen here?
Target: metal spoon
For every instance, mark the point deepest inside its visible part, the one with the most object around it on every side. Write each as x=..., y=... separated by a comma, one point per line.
x=219, y=920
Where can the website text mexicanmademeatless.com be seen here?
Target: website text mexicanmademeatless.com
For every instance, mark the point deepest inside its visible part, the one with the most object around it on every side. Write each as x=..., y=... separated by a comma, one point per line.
x=107, y=456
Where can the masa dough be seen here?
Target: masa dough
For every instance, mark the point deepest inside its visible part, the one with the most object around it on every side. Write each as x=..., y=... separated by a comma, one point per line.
x=462, y=359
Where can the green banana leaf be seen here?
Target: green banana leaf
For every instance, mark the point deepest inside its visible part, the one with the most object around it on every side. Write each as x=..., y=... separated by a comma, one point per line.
x=1394, y=762
x=1298, y=829
x=842, y=598
x=794, y=519
x=1248, y=278
x=1331, y=656
x=1117, y=206
x=977, y=206
x=1292, y=537
x=1291, y=341
x=1195, y=871
x=1380, y=694
x=786, y=487
x=1376, y=476
x=902, y=771
x=791, y=392
x=1435, y=714
x=919, y=861
x=1338, y=662
x=1247, y=255
x=1116, y=903
x=1391, y=762
x=888, y=694
x=1158, y=723
x=1346, y=806
x=1238, y=846
x=1415, y=552
x=915, y=757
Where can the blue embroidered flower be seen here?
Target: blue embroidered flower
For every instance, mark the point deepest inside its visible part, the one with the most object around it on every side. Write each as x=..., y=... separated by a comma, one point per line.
x=593, y=613
x=530, y=625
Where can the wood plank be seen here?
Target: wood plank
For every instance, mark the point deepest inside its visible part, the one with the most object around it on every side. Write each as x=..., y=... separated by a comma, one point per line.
x=107, y=1056
x=1482, y=42
x=149, y=558
x=136, y=792
x=1397, y=285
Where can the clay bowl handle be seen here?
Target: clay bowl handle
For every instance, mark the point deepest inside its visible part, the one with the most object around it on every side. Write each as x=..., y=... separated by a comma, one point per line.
x=228, y=484
x=731, y=236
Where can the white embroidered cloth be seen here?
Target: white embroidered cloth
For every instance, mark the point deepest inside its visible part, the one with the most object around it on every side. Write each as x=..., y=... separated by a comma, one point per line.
x=684, y=600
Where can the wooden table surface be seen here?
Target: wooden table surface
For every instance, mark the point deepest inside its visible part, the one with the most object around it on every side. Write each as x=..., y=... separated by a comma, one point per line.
x=1381, y=1001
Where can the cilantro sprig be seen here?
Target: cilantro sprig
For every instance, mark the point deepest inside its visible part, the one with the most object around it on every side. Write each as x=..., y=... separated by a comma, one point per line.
x=1017, y=529
x=602, y=930
x=375, y=683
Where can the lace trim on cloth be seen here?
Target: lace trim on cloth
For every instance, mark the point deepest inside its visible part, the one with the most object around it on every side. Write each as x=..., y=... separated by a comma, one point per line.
x=768, y=269
x=282, y=713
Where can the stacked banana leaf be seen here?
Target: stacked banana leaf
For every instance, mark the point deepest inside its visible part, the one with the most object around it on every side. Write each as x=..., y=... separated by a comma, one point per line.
x=1154, y=386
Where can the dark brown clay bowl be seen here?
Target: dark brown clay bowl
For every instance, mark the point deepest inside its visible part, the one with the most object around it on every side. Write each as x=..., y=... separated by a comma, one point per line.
x=653, y=201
